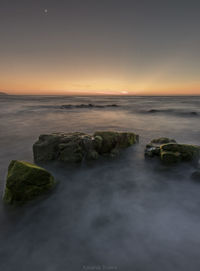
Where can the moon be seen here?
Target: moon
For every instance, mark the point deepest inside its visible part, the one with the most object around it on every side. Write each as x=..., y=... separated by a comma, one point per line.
x=46, y=11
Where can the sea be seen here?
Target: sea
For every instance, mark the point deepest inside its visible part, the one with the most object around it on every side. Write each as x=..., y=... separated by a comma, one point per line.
x=128, y=213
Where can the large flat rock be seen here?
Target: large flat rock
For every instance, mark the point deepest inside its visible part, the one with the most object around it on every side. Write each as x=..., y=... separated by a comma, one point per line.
x=75, y=147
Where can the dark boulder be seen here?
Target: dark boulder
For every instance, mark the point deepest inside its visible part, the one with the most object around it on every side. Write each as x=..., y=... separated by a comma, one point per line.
x=26, y=181
x=75, y=147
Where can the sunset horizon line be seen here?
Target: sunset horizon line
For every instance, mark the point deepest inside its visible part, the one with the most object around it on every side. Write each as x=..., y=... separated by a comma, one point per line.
x=94, y=94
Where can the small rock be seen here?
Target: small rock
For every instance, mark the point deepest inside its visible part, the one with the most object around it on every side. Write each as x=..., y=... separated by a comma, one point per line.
x=171, y=152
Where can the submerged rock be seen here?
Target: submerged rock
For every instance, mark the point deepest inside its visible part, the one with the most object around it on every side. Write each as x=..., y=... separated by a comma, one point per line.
x=153, y=111
x=25, y=181
x=71, y=106
x=171, y=152
x=75, y=147
x=153, y=148
x=194, y=113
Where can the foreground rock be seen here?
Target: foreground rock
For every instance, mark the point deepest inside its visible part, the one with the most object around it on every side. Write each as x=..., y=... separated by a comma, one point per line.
x=26, y=181
x=171, y=152
x=75, y=147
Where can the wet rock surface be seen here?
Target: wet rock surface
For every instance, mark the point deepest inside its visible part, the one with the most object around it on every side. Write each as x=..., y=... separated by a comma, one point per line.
x=171, y=152
x=26, y=181
x=153, y=148
x=75, y=147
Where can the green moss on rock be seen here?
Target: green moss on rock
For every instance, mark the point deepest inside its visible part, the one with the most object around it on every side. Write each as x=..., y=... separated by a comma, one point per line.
x=187, y=152
x=76, y=147
x=153, y=148
x=25, y=181
x=169, y=157
x=171, y=152
x=115, y=140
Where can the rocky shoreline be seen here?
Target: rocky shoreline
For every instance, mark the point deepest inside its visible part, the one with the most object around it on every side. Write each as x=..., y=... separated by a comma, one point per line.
x=26, y=181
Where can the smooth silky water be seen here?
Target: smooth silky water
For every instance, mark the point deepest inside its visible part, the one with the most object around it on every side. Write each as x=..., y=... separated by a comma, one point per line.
x=123, y=214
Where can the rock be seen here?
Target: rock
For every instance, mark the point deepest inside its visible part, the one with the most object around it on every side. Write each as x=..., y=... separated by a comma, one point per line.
x=92, y=155
x=153, y=111
x=46, y=148
x=196, y=175
x=194, y=113
x=26, y=181
x=115, y=140
x=75, y=147
x=185, y=152
x=71, y=106
x=171, y=152
x=169, y=157
x=153, y=148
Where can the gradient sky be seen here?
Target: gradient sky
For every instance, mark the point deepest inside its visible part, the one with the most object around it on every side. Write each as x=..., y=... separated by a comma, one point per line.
x=100, y=47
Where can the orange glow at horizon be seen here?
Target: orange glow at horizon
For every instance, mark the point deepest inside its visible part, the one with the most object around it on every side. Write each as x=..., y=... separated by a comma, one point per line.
x=41, y=79
x=96, y=88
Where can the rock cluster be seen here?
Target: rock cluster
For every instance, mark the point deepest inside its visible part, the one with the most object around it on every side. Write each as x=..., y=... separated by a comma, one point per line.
x=26, y=181
x=76, y=147
x=153, y=148
x=71, y=106
x=171, y=152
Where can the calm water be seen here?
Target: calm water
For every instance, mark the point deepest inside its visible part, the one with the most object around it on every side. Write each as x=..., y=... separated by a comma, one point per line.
x=126, y=214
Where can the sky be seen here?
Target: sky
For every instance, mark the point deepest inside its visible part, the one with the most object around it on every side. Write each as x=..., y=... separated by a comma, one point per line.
x=134, y=47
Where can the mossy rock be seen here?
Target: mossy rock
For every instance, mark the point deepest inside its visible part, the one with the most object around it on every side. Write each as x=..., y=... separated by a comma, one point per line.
x=46, y=148
x=115, y=140
x=171, y=152
x=187, y=152
x=92, y=155
x=76, y=147
x=169, y=157
x=153, y=148
x=71, y=152
x=26, y=181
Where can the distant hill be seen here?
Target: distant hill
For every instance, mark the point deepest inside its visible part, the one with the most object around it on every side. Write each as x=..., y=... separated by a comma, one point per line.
x=3, y=93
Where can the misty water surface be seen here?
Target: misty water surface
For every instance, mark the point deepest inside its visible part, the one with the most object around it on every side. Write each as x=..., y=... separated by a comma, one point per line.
x=122, y=214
